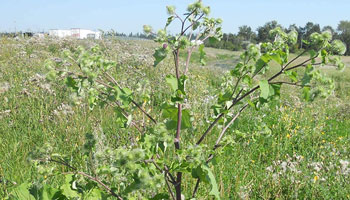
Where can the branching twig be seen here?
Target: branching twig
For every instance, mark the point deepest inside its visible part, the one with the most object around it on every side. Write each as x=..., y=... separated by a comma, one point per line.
x=168, y=186
x=248, y=93
x=95, y=179
x=211, y=156
x=134, y=102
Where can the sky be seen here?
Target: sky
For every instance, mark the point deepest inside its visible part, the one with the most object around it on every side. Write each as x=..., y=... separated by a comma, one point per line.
x=130, y=15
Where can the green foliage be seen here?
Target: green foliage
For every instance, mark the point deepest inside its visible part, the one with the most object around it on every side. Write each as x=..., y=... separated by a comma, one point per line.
x=159, y=55
x=152, y=161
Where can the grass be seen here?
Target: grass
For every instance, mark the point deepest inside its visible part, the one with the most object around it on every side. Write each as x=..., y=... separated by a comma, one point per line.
x=290, y=150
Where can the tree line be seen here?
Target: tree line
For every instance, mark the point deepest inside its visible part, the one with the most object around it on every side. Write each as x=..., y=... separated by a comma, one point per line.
x=247, y=35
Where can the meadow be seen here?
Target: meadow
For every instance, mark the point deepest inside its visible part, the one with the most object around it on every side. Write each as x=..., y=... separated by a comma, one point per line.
x=291, y=149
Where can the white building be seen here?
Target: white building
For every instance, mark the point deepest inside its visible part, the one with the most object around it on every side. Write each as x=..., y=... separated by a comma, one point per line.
x=75, y=33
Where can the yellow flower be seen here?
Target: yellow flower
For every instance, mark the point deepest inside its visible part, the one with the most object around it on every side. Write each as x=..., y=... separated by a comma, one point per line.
x=322, y=133
x=323, y=141
x=315, y=179
x=288, y=136
x=253, y=161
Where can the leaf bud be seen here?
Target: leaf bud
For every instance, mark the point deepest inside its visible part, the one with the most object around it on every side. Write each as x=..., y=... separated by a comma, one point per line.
x=218, y=21
x=170, y=10
x=206, y=10
x=147, y=29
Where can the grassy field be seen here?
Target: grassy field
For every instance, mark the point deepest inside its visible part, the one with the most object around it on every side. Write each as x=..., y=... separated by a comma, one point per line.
x=291, y=150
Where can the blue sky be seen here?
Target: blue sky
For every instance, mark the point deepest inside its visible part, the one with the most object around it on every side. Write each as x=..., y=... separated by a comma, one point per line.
x=130, y=15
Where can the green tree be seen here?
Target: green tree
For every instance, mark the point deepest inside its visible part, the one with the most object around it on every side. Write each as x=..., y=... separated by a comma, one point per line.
x=264, y=31
x=246, y=33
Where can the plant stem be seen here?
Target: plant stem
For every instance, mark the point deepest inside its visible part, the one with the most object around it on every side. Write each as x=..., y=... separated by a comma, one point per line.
x=178, y=129
x=168, y=186
x=211, y=156
x=95, y=179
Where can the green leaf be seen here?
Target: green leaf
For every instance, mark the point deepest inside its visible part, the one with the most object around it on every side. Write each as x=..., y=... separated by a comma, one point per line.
x=181, y=84
x=307, y=76
x=264, y=88
x=247, y=80
x=211, y=179
x=225, y=97
x=276, y=57
x=171, y=112
x=121, y=120
x=159, y=55
x=172, y=82
x=70, y=82
x=95, y=194
x=275, y=90
x=204, y=173
x=22, y=192
x=261, y=63
x=251, y=104
x=306, y=93
x=67, y=187
x=170, y=19
x=293, y=75
x=50, y=193
x=202, y=55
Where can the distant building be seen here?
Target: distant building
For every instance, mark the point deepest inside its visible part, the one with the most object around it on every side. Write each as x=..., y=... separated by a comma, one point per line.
x=75, y=33
x=39, y=35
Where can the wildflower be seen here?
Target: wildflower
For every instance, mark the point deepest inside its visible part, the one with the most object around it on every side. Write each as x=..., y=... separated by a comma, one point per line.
x=322, y=133
x=316, y=178
x=288, y=136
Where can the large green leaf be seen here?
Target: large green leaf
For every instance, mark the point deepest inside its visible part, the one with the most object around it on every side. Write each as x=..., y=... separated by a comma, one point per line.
x=159, y=55
x=50, y=193
x=67, y=187
x=261, y=63
x=172, y=82
x=276, y=57
x=95, y=194
x=275, y=90
x=264, y=88
x=22, y=192
x=205, y=174
x=171, y=112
